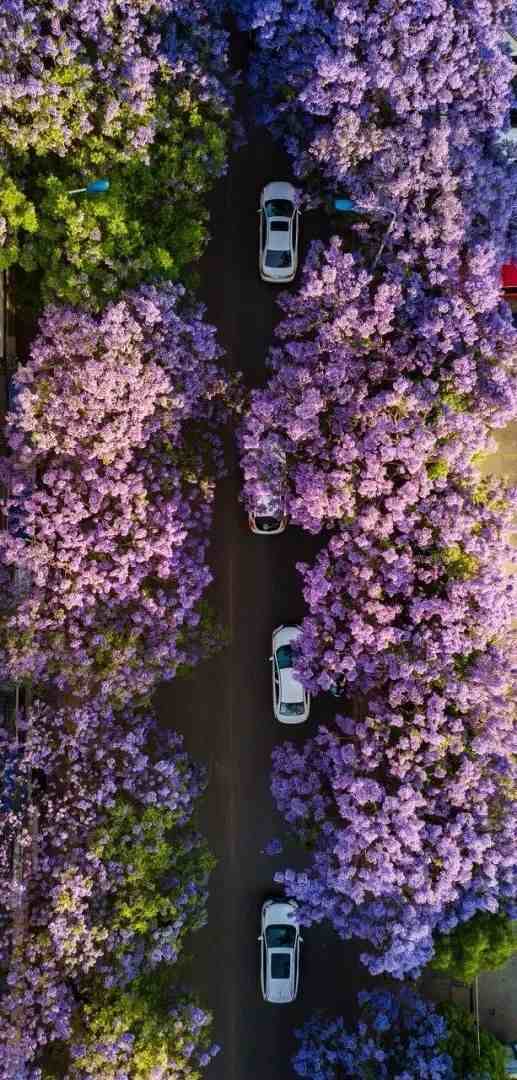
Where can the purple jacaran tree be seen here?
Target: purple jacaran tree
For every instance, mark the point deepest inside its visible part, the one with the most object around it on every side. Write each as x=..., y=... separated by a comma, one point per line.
x=398, y=1037
x=79, y=77
x=116, y=428
x=409, y=814
x=408, y=594
x=352, y=92
x=101, y=820
x=409, y=809
x=385, y=387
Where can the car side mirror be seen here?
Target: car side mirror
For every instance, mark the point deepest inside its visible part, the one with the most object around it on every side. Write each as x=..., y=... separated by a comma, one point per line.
x=301, y=941
x=270, y=658
x=259, y=937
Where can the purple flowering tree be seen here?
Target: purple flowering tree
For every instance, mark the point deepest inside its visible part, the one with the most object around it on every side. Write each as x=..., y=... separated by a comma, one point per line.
x=111, y=872
x=116, y=427
x=408, y=814
x=398, y=1036
x=385, y=387
x=411, y=593
x=93, y=80
x=351, y=91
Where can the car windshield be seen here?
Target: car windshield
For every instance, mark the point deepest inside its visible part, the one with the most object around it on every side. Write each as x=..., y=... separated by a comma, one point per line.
x=279, y=208
x=278, y=937
x=280, y=965
x=279, y=259
x=267, y=524
x=284, y=656
x=292, y=708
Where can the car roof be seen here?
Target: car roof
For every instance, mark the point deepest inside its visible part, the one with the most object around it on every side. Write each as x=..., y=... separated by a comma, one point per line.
x=279, y=189
x=281, y=989
x=277, y=240
x=268, y=505
x=291, y=690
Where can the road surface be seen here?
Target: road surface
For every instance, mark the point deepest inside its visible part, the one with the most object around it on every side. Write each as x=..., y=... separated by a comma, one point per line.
x=224, y=710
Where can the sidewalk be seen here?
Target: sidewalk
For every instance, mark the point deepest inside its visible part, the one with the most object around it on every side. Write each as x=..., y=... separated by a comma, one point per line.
x=498, y=1001
x=497, y=998
x=504, y=462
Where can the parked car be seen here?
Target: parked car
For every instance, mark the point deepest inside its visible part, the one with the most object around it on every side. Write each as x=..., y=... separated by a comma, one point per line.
x=508, y=136
x=280, y=942
x=509, y=284
x=291, y=702
x=511, y=1059
x=279, y=233
x=18, y=522
x=269, y=517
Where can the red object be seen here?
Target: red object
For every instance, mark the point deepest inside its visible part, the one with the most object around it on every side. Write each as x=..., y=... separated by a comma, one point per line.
x=509, y=276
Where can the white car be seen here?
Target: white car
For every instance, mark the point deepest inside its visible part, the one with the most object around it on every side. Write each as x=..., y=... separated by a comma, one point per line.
x=280, y=942
x=267, y=505
x=508, y=137
x=291, y=702
x=269, y=518
x=279, y=229
x=511, y=1059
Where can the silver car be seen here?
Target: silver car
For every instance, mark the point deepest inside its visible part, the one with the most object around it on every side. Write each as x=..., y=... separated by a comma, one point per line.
x=280, y=942
x=291, y=702
x=269, y=518
x=279, y=229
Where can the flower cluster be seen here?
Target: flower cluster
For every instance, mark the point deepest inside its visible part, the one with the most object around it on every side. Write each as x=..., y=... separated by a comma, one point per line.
x=409, y=595
x=385, y=387
x=408, y=812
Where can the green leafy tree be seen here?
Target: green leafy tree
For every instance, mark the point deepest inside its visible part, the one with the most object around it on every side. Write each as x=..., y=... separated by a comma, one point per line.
x=149, y=226
x=18, y=219
x=462, y=1046
x=149, y=850
x=482, y=944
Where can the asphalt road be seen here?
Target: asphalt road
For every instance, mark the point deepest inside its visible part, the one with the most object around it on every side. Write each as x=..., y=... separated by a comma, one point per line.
x=224, y=710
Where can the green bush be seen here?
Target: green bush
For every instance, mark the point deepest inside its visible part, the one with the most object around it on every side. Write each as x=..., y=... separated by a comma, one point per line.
x=18, y=220
x=144, y=1030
